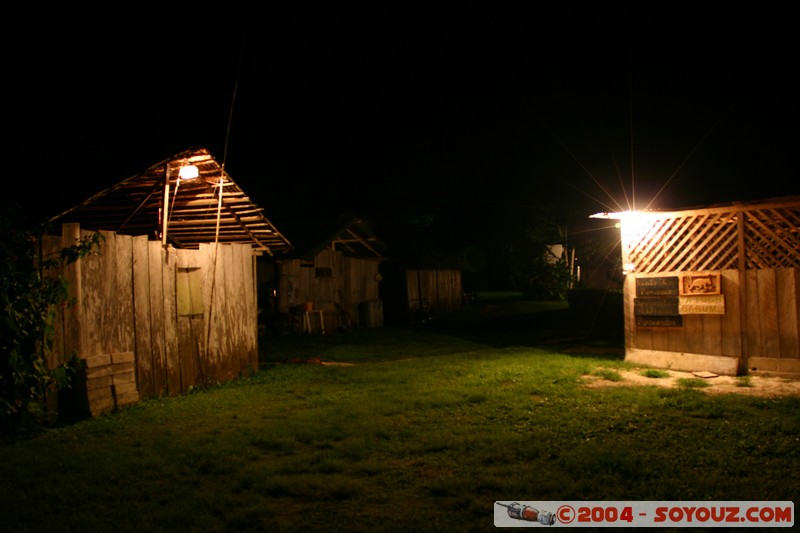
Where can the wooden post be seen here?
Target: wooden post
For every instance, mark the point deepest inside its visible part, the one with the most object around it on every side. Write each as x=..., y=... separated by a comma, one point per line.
x=165, y=211
x=743, y=317
x=73, y=323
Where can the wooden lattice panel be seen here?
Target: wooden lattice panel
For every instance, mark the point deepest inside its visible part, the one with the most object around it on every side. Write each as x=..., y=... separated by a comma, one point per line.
x=683, y=242
x=771, y=237
x=766, y=235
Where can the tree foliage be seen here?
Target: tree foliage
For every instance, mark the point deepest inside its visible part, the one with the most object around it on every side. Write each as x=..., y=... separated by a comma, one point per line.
x=31, y=289
x=533, y=268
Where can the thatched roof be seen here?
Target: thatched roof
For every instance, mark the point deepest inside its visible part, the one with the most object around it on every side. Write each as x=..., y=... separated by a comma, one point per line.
x=134, y=207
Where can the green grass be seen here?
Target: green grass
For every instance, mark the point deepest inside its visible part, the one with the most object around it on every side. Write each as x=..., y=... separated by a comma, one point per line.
x=692, y=383
x=608, y=374
x=425, y=431
x=655, y=373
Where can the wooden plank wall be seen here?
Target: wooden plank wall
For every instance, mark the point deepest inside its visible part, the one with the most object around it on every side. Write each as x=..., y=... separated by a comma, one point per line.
x=192, y=330
x=441, y=288
x=755, y=248
x=772, y=320
x=231, y=311
x=143, y=334
x=299, y=284
x=767, y=328
x=127, y=304
x=706, y=334
x=110, y=382
x=360, y=284
x=352, y=281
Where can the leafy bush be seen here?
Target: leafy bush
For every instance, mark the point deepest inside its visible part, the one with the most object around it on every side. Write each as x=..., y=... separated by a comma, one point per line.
x=30, y=292
x=546, y=281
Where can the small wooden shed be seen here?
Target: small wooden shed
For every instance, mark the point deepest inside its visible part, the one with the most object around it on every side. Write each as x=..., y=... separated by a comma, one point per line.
x=333, y=270
x=421, y=280
x=714, y=289
x=169, y=303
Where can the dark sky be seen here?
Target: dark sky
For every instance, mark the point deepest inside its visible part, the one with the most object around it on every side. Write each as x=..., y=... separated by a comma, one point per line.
x=321, y=108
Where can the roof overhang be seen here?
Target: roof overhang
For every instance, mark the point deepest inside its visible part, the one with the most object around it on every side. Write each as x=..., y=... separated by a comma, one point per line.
x=207, y=209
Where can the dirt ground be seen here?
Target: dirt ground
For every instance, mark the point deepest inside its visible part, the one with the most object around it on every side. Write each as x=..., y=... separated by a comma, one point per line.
x=762, y=386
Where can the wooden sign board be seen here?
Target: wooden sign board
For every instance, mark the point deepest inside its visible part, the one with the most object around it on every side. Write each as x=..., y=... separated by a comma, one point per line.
x=659, y=321
x=701, y=283
x=709, y=304
x=661, y=286
x=656, y=303
x=655, y=307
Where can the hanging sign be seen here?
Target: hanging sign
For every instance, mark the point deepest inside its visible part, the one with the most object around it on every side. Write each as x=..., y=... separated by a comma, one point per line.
x=659, y=321
x=663, y=286
x=656, y=306
x=709, y=304
x=701, y=294
x=657, y=302
x=696, y=284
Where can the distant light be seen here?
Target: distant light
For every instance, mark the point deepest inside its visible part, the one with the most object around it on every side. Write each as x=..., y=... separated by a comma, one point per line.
x=189, y=172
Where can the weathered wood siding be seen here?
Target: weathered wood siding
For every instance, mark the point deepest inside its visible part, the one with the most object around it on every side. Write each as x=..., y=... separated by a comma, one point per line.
x=353, y=281
x=127, y=303
x=440, y=289
x=330, y=279
x=756, y=251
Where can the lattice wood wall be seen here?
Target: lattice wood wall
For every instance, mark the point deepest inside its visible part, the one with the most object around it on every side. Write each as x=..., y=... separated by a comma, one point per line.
x=765, y=236
x=756, y=249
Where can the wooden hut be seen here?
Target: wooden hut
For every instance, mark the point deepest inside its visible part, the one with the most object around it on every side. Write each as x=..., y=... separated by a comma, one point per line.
x=714, y=289
x=330, y=280
x=421, y=280
x=169, y=303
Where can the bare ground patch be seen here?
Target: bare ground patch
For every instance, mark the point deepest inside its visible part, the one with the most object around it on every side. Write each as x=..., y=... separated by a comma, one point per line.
x=761, y=386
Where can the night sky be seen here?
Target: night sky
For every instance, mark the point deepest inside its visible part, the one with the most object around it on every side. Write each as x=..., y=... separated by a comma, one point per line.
x=413, y=109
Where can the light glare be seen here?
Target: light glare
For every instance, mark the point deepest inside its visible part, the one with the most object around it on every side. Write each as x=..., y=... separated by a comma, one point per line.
x=188, y=172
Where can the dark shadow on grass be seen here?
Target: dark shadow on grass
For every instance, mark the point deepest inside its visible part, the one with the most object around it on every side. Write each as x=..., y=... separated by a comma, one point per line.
x=551, y=324
x=498, y=323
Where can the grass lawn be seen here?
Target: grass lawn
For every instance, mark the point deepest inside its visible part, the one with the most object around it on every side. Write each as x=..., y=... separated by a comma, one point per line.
x=413, y=429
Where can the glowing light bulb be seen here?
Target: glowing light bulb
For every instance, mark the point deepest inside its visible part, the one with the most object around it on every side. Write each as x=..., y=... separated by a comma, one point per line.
x=188, y=172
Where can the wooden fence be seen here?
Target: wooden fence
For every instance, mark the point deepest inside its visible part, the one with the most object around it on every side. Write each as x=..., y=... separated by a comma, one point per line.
x=170, y=318
x=744, y=315
x=439, y=290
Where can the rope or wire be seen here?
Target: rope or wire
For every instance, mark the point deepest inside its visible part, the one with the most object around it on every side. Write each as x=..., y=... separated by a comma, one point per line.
x=219, y=204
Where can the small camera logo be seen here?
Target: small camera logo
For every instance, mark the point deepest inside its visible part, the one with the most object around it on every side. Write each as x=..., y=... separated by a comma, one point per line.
x=529, y=514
